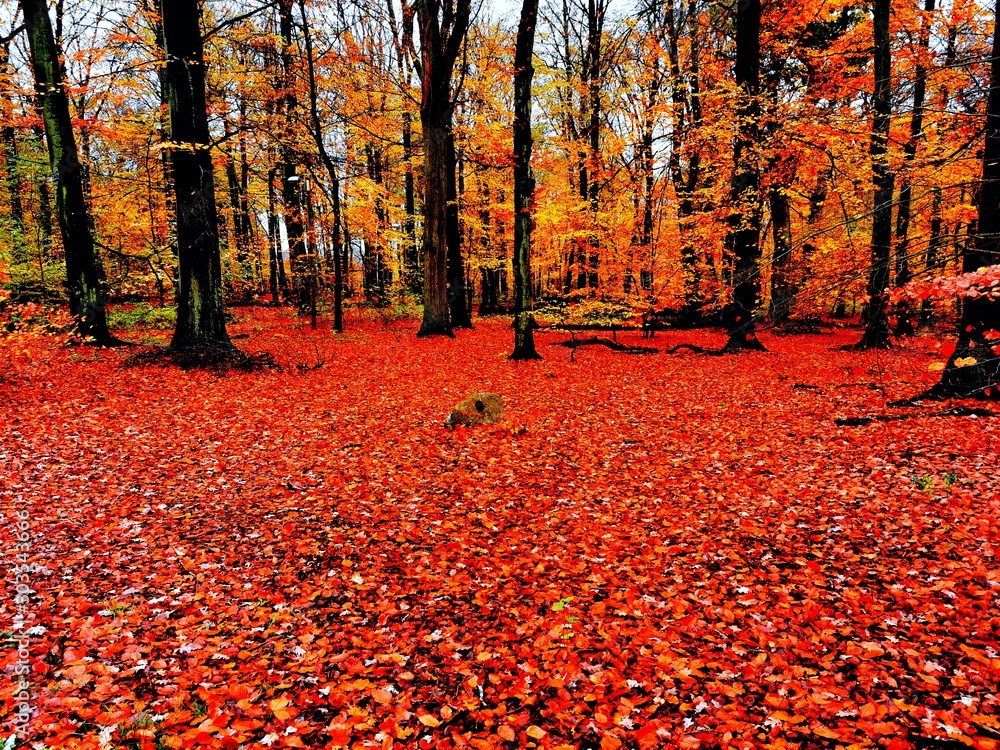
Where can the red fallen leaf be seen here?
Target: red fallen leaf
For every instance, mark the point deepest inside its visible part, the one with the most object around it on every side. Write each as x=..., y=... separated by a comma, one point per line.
x=382, y=696
x=506, y=733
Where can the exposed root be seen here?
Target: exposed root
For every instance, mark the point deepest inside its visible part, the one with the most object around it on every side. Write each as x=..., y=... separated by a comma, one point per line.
x=690, y=347
x=959, y=411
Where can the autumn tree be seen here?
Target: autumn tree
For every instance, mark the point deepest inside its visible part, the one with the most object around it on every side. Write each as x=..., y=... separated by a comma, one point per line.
x=200, y=314
x=974, y=368
x=744, y=237
x=442, y=25
x=84, y=271
x=524, y=183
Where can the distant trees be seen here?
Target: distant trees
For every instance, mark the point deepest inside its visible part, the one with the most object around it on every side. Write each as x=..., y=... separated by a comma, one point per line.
x=656, y=176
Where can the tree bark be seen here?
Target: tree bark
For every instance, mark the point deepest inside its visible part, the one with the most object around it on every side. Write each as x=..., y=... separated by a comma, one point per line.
x=201, y=320
x=524, y=183
x=744, y=236
x=876, y=335
x=84, y=271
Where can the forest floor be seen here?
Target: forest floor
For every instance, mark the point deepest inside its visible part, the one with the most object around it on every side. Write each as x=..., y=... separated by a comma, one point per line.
x=650, y=551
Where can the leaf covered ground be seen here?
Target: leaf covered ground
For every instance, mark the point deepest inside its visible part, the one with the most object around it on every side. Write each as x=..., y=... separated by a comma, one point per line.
x=650, y=551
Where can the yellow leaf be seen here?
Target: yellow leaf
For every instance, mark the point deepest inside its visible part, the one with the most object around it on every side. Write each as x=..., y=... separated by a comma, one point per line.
x=535, y=733
x=428, y=721
x=936, y=366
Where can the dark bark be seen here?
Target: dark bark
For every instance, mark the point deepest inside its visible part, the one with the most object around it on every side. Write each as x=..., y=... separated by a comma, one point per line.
x=876, y=333
x=273, y=238
x=442, y=33
x=973, y=371
x=782, y=292
x=524, y=183
x=84, y=271
x=411, y=258
x=744, y=236
x=201, y=320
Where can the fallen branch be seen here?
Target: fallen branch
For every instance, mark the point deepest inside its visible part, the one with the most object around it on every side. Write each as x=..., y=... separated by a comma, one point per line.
x=596, y=341
x=691, y=347
x=960, y=411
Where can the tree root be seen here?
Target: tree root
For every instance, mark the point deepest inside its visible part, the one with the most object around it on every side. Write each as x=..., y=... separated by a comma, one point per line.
x=959, y=411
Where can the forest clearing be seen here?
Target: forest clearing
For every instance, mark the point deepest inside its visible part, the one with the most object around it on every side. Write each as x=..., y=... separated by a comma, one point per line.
x=648, y=551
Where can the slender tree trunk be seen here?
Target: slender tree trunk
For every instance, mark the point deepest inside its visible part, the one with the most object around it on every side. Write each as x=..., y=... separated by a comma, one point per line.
x=291, y=183
x=332, y=174
x=781, y=232
x=274, y=239
x=201, y=319
x=876, y=335
x=744, y=237
x=973, y=371
x=84, y=271
x=8, y=142
x=457, y=289
x=524, y=183
x=412, y=249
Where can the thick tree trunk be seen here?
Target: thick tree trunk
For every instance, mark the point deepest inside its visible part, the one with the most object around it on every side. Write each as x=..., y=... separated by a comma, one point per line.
x=442, y=35
x=200, y=311
x=744, y=236
x=876, y=333
x=457, y=287
x=524, y=183
x=973, y=371
x=84, y=272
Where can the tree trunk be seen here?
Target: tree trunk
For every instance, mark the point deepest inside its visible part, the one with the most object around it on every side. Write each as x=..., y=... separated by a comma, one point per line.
x=332, y=174
x=903, y=273
x=84, y=272
x=201, y=319
x=460, y=317
x=524, y=183
x=876, y=335
x=8, y=142
x=291, y=183
x=973, y=371
x=442, y=35
x=782, y=292
x=744, y=236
